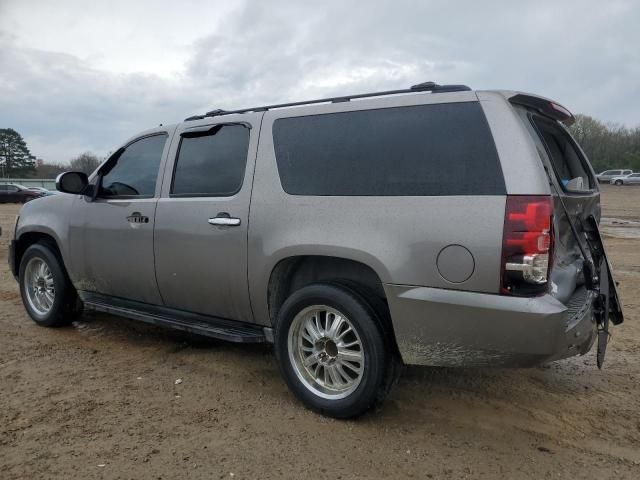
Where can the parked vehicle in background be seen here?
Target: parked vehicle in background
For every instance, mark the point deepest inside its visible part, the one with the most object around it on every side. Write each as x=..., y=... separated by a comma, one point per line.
x=38, y=189
x=608, y=175
x=633, y=179
x=434, y=225
x=13, y=193
x=43, y=191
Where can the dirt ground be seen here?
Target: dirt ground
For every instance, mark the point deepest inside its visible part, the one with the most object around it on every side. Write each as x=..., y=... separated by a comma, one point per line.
x=99, y=400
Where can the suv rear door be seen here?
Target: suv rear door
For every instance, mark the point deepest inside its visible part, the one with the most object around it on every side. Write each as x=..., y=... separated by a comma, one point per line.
x=202, y=217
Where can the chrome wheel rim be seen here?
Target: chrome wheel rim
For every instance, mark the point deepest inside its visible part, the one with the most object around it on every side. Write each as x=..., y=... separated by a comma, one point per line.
x=326, y=352
x=39, y=286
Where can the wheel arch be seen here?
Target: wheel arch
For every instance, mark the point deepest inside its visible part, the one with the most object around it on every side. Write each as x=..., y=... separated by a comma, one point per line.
x=294, y=272
x=27, y=238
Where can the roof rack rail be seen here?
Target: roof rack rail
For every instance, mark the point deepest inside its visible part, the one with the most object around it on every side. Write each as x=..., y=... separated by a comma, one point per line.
x=420, y=87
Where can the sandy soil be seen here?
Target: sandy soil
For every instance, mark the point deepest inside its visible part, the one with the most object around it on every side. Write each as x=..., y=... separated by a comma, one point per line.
x=99, y=400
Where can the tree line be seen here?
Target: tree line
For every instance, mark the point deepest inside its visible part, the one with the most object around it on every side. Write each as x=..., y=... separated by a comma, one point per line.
x=607, y=146
x=16, y=160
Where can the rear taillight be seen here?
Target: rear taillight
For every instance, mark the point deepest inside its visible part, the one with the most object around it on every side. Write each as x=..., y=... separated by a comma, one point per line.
x=526, y=245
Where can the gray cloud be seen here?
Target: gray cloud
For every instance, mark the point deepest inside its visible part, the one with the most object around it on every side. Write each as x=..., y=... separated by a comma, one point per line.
x=584, y=54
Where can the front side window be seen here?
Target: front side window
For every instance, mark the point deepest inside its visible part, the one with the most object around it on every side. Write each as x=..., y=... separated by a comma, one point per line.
x=136, y=170
x=211, y=163
x=608, y=172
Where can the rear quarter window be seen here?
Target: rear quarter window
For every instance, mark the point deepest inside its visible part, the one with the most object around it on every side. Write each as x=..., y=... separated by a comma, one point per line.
x=425, y=150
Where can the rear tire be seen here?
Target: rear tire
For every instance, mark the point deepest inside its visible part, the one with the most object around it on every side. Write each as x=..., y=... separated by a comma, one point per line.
x=47, y=293
x=331, y=350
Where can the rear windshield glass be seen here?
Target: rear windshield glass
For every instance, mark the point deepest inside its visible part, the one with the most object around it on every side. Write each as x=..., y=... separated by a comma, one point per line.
x=568, y=163
x=442, y=149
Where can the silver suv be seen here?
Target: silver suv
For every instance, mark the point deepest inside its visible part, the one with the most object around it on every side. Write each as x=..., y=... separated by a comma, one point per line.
x=434, y=225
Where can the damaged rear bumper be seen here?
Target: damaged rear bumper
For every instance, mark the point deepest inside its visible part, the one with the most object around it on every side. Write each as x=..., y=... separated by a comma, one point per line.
x=454, y=328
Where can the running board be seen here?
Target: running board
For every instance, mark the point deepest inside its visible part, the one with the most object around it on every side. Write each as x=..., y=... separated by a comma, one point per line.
x=207, y=326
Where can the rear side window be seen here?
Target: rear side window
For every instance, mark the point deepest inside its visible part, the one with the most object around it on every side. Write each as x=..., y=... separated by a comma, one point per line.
x=568, y=163
x=442, y=149
x=136, y=170
x=211, y=163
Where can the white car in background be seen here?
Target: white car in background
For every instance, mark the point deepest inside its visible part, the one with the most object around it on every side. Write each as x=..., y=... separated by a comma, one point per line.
x=632, y=179
x=608, y=175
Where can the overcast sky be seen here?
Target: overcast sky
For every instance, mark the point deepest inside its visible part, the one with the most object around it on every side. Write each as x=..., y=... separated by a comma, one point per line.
x=77, y=76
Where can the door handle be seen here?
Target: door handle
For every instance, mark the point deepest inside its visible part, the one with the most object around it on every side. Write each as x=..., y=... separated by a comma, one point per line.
x=137, y=217
x=224, y=219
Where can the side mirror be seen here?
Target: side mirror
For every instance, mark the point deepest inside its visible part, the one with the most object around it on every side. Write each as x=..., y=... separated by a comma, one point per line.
x=72, y=182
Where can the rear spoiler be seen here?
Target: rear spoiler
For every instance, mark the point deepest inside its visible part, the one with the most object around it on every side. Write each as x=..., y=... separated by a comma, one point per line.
x=545, y=106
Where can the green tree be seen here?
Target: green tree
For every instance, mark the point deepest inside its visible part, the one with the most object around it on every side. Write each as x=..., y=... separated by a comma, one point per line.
x=15, y=158
x=86, y=162
x=608, y=146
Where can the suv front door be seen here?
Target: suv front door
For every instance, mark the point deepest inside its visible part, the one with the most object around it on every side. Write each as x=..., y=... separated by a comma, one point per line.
x=114, y=232
x=202, y=215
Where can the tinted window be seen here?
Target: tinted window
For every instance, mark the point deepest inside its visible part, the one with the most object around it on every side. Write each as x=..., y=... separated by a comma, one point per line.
x=569, y=165
x=443, y=149
x=212, y=163
x=136, y=171
x=3, y=188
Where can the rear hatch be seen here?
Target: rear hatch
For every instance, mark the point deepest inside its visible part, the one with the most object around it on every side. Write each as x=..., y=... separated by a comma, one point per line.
x=576, y=205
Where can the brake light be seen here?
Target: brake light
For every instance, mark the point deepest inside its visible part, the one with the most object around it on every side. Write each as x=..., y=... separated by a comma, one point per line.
x=526, y=244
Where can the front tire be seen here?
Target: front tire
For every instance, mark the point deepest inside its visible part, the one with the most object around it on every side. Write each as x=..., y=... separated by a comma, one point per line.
x=618, y=182
x=47, y=293
x=331, y=350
